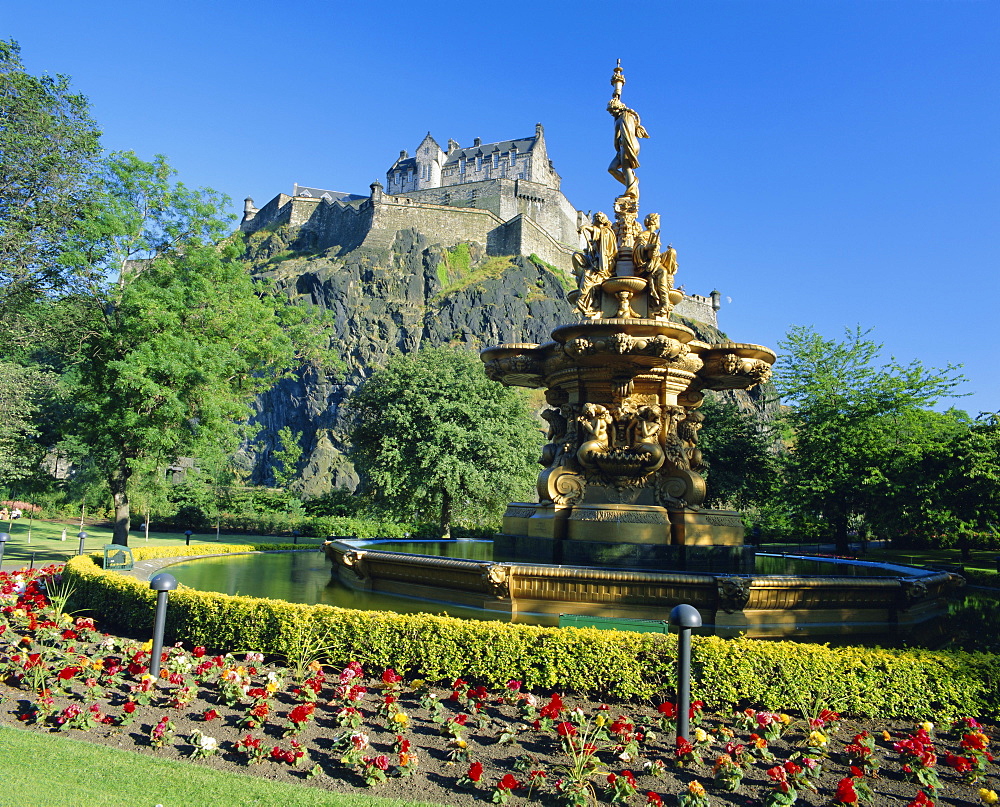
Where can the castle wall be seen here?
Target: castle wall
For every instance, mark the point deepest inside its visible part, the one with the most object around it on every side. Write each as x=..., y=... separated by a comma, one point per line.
x=445, y=225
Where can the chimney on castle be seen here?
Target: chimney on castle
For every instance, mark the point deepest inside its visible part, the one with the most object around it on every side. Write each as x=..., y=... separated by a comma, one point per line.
x=477, y=142
x=452, y=146
x=402, y=154
x=538, y=130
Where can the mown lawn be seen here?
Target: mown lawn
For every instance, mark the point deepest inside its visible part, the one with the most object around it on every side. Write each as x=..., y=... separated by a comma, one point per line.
x=41, y=541
x=53, y=771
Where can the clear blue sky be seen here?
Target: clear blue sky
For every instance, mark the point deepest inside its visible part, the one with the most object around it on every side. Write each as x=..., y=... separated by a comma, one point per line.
x=829, y=163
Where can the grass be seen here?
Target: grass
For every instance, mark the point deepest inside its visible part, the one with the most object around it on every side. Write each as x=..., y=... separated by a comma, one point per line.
x=45, y=544
x=67, y=773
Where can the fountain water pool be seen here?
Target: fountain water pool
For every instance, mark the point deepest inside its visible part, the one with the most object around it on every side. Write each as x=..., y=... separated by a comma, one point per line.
x=818, y=598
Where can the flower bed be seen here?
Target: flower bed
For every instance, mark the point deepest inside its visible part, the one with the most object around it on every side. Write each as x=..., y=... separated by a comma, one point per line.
x=862, y=681
x=348, y=727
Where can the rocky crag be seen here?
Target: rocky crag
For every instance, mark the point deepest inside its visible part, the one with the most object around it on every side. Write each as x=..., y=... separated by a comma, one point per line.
x=396, y=300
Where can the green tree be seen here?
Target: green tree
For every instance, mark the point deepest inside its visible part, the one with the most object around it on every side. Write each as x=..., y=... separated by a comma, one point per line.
x=48, y=149
x=176, y=344
x=287, y=457
x=738, y=451
x=435, y=436
x=853, y=421
x=953, y=488
x=23, y=391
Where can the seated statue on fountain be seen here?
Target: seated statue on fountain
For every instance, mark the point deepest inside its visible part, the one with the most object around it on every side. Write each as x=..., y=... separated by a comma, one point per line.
x=658, y=267
x=595, y=264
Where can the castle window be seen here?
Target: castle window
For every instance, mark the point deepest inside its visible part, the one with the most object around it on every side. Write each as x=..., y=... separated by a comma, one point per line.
x=513, y=156
x=496, y=159
x=479, y=163
x=461, y=166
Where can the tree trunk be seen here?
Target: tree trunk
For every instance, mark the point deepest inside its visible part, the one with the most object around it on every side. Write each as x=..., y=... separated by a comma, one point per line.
x=445, y=516
x=118, y=482
x=840, y=535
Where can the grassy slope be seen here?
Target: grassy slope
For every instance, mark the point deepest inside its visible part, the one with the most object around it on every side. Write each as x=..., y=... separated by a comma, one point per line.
x=68, y=773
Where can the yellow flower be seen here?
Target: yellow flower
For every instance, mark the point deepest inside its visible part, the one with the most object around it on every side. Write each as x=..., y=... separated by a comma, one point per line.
x=695, y=788
x=600, y=720
x=700, y=735
x=785, y=719
x=147, y=646
x=271, y=687
x=817, y=739
x=886, y=736
x=315, y=666
x=401, y=718
x=459, y=742
x=927, y=726
x=988, y=796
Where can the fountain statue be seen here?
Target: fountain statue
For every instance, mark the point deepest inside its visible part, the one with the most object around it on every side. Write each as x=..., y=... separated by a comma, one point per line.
x=620, y=528
x=621, y=483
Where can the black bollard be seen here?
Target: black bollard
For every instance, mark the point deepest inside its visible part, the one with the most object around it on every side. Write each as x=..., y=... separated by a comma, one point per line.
x=187, y=537
x=162, y=583
x=83, y=537
x=4, y=538
x=685, y=617
x=295, y=537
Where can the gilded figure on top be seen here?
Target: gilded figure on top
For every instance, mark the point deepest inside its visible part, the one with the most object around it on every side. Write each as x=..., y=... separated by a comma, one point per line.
x=628, y=130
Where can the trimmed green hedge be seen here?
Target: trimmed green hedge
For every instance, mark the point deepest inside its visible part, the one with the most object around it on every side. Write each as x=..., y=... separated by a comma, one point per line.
x=774, y=675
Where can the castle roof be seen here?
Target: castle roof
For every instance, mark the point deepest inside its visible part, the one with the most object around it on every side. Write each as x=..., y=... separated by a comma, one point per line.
x=320, y=193
x=485, y=149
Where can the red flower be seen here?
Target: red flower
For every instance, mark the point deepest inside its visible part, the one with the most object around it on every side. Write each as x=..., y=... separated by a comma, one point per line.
x=612, y=778
x=845, y=791
x=302, y=712
x=129, y=707
x=390, y=676
x=653, y=799
x=667, y=710
x=210, y=714
x=461, y=719
x=475, y=771
x=921, y=801
x=68, y=672
x=381, y=762
x=509, y=782
x=565, y=729
x=629, y=776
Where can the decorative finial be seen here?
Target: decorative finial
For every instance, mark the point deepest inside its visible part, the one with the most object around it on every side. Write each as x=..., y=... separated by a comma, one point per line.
x=618, y=80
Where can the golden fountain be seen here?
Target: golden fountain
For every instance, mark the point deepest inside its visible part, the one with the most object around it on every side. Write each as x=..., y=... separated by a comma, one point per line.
x=621, y=484
x=619, y=529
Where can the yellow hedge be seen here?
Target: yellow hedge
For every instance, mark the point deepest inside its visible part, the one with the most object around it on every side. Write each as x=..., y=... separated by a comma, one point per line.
x=773, y=675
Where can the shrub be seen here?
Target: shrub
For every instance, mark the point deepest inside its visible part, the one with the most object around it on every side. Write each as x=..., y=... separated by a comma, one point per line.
x=865, y=682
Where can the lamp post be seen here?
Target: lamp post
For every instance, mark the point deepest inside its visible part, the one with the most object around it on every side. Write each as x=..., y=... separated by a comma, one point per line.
x=187, y=537
x=162, y=583
x=684, y=617
x=83, y=537
x=4, y=538
x=295, y=537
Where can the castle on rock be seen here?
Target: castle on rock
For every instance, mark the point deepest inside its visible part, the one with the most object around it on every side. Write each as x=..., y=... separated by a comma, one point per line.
x=504, y=195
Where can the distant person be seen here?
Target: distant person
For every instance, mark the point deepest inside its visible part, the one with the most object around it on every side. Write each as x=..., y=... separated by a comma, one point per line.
x=15, y=513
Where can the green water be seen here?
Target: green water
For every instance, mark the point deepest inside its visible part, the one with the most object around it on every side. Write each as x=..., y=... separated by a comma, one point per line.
x=305, y=577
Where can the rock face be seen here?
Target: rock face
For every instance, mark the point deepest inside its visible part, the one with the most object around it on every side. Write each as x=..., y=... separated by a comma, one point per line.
x=396, y=300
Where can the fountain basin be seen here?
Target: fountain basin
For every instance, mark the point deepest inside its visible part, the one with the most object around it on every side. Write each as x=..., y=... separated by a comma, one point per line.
x=863, y=600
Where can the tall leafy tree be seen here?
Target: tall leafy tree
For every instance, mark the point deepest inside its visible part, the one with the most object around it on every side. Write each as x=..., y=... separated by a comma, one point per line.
x=177, y=341
x=435, y=436
x=854, y=420
x=739, y=453
x=49, y=146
